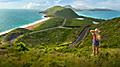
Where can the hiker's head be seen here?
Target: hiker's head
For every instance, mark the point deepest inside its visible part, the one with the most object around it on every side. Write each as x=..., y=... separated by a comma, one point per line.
x=97, y=30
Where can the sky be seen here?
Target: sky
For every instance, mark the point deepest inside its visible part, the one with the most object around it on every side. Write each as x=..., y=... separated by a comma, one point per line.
x=44, y=4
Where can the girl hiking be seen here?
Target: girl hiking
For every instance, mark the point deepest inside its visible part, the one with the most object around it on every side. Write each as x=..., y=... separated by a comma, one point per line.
x=95, y=41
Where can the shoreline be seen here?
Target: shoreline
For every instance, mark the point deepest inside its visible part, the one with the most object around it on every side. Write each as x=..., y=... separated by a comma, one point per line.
x=32, y=25
x=29, y=26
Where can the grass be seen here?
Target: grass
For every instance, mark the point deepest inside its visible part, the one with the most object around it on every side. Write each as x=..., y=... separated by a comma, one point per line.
x=53, y=22
x=14, y=34
x=51, y=11
x=61, y=56
x=59, y=11
x=55, y=36
x=50, y=48
x=76, y=22
x=110, y=34
x=66, y=13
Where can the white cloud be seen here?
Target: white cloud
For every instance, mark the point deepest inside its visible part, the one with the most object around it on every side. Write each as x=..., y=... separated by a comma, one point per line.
x=110, y=4
x=9, y=0
x=41, y=4
x=31, y=5
x=84, y=4
x=81, y=4
x=44, y=4
x=10, y=5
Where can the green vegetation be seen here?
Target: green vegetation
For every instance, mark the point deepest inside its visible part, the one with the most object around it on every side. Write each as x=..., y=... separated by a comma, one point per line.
x=60, y=56
x=48, y=44
x=54, y=36
x=110, y=34
x=76, y=22
x=66, y=13
x=1, y=37
x=58, y=11
x=14, y=34
x=51, y=11
x=53, y=22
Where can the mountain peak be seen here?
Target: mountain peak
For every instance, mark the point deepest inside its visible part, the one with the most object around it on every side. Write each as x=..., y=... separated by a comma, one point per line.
x=60, y=11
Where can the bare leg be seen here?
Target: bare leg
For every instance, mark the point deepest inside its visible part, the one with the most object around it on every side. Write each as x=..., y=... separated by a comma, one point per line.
x=97, y=49
x=93, y=48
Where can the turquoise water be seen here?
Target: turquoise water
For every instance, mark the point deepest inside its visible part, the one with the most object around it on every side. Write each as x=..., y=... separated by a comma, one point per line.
x=12, y=18
x=100, y=14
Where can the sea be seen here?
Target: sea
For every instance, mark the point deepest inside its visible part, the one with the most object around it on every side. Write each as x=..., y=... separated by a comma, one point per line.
x=14, y=18
x=100, y=14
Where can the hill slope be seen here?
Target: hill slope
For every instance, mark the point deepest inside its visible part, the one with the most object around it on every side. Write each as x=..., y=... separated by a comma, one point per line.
x=54, y=36
x=53, y=22
x=14, y=34
x=51, y=11
x=66, y=13
x=47, y=46
x=58, y=11
x=110, y=34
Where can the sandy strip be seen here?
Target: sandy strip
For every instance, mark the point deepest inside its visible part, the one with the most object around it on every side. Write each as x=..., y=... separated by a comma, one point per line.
x=33, y=25
x=27, y=26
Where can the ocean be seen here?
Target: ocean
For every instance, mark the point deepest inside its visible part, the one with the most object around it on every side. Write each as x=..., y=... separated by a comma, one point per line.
x=100, y=14
x=14, y=18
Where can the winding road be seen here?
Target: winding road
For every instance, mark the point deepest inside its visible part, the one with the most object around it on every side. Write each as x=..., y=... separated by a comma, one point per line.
x=49, y=29
x=81, y=36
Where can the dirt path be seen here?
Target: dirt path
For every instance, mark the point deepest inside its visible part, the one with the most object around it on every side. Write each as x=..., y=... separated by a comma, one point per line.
x=81, y=36
x=49, y=29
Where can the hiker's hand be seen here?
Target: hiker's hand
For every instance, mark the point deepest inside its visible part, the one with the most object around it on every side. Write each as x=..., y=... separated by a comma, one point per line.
x=92, y=31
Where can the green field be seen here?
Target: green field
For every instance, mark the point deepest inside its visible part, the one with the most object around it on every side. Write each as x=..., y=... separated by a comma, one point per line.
x=76, y=22
x=53, y=22
x=54, y=36
x=47, y=45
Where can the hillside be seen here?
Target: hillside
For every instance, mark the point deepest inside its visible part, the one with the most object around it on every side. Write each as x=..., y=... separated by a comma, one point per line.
x=59, y=11
x=53, y=22
x=47, y=45
x=110, y=33
x=13, y=35
x=78, y=23
x=54, y=36
x=66, y=13
x=51, y=11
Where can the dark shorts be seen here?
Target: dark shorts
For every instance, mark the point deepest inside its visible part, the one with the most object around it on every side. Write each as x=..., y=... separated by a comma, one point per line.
x=95, y=42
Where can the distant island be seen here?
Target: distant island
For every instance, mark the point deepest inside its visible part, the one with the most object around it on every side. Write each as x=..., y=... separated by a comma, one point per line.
x=51, y=11
x=99, y=9
x=89, y=9
x=59, y=11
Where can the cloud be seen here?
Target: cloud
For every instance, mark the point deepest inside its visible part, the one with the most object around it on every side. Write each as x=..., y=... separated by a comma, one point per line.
x=84, y=4
x=110, y=4
x=9, y=0
x=44, y=4
x=41, y=4
x=81, y=4
x=31, y=5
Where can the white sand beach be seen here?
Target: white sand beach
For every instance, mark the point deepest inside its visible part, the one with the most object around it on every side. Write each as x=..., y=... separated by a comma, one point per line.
x=27, y=26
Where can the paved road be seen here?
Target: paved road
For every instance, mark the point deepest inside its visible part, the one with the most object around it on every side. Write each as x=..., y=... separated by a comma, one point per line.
x=49, y=29
x=80, y=37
